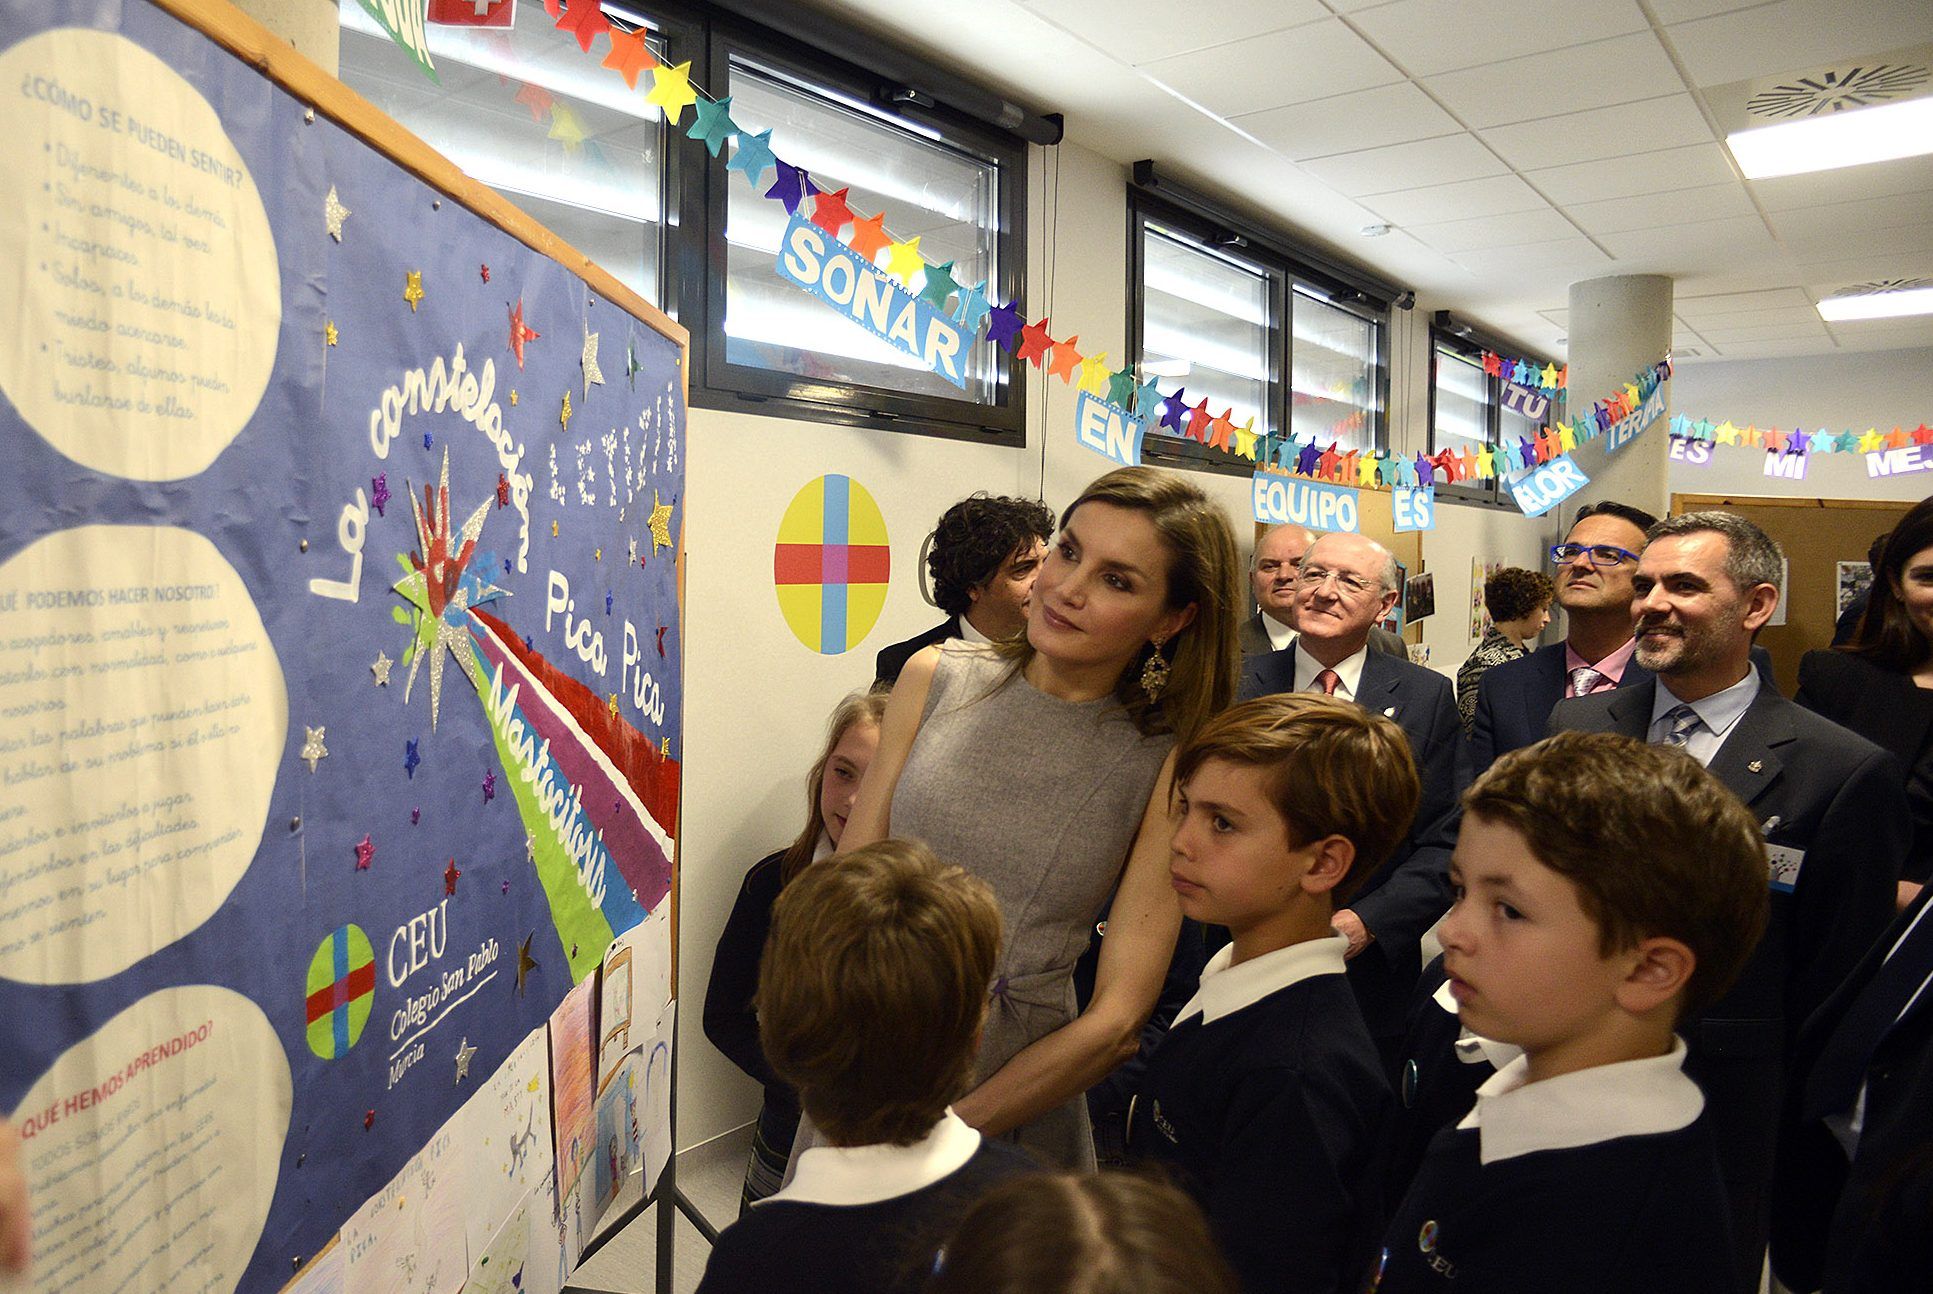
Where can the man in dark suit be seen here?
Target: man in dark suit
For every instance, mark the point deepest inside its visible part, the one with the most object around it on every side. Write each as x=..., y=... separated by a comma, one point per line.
x=1346, y=584
x=1855, y=1183
x=1833, y=807
x=1271, y=576
x=1595, y=564
x=982, y=556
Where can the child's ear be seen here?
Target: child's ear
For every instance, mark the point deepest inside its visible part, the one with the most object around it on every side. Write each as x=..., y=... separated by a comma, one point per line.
x=1661, y=967
x=1332, y=858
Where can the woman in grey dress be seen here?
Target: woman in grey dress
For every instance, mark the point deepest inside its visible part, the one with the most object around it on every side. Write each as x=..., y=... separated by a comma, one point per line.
x=1043, y=766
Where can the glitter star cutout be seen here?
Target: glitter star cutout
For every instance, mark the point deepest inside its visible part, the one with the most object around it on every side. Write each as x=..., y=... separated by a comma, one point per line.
x=329, y=333
x=564, y=417
x=520, y=332
x=525, y=963
x=664, y=748
x=413, y=289
x=513, y=397
x=634, y=549
x=333, y=214
x=490, y=786
x=379, y=492
x=484, y=270
x=463, y=1053
x=410, y=760
x=443, y=589
x=592, y=373
x=450, y=874
x=631, y=365
x=530, y=847
x=380, y=668
x=660, y=523
x=313, y=750
x=365, y=853
x=610, y=703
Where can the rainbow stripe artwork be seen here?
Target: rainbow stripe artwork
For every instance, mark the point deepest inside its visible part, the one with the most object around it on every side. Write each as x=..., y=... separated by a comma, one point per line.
x=341, y=989
x=831, y=564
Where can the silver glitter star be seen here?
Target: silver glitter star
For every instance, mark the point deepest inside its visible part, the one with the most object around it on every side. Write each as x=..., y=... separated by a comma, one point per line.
x=463, y=1054
x=312, y=748
x=333, y=214
x=592, y=373
x=381, y=669
x=530, y=847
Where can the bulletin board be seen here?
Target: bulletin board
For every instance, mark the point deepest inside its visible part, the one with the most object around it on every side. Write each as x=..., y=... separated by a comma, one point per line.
x=1377, y=523
x=341, y=683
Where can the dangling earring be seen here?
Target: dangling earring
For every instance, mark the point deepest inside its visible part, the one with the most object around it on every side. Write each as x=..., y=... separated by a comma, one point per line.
x=1154, y=674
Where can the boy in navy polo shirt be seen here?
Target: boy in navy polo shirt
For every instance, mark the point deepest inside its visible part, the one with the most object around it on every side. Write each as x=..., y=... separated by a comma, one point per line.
x=871, y=995
x=1266, y=1095
x=1605, y=889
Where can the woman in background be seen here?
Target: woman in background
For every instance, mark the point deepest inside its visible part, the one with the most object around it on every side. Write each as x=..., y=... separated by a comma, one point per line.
x=1519, y=605
x=1042, y=766
x=730, y=1021
x=1880, y=685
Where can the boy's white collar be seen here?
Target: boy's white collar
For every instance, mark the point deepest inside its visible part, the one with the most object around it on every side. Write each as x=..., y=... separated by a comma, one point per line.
x=1227, y=989
x=1632, y=1098
x=854, y=1175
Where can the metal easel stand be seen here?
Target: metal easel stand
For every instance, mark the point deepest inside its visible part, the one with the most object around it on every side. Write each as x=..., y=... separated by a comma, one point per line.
x=668, y=1192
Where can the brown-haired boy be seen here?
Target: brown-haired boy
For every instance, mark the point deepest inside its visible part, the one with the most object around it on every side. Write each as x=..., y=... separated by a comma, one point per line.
x=871, y=995
x=1266, y=1095
x=1605, y=889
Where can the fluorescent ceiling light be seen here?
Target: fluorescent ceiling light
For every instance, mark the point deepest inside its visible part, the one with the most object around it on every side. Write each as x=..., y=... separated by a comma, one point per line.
x=1878, y=305
x=1875, y=134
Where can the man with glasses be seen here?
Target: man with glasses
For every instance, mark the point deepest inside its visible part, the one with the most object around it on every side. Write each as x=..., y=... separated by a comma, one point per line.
x=1271, y=574
x=1346, y=584
x=1595, y=565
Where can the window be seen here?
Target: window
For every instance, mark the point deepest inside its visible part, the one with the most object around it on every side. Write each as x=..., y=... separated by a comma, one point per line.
x=1218, y=314
x=1467, y=412
x=527, y=112
x=524, y=111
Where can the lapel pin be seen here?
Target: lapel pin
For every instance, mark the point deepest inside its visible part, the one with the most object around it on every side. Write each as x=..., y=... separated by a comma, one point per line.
x=1756, y=766
x=1390, y=713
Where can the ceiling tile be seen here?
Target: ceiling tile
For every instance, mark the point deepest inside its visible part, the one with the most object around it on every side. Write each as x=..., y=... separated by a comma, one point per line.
x=1619, y=70
x=1847, y=184
x=1670, y=11
x=1752, y=318
x=1431, y=36
x=1563, y=253
x=1795, y=34
x=1898, y=241
x=1773, y=349
x=1136, y=30
x=1669, y=122
x=1698, y=308
x=1495, y=195
x=1496, y=231
x=1633, y=176
x=1560, y=318
x=1828, y=274
x=1709, y=202
x=1403, y=166
x=1347, y=123
x=1766, y=332
x=1847, y=218
x=1689, y=249
x=1247, y=76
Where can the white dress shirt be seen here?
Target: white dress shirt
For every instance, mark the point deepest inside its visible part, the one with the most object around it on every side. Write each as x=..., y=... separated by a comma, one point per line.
x=1280, y=635
x=1718, y=714
x=1349, y=670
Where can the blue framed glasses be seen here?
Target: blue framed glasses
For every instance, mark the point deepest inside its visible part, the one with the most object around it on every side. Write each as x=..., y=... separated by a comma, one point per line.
x=1600, y=554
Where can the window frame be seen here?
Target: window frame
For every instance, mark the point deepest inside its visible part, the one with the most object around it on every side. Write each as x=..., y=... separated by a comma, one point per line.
x=1471, y=345
x=696, y=256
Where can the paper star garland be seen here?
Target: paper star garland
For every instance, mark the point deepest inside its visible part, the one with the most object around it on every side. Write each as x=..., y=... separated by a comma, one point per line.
x=1094, y=374
x=1061, y=359
x=830, y=212
x=1120, y=388
x=593, y=375
x=566, y=129
x=629, y=56
x=1004, y=326
x=903, y=260
x=869, y=237
x=671, y=89
x=711, y=123
x=464, y=1050
x=313, y=751
x=753, y=156
x=791, y=187
x=537, y=99
x=972, y=308
x=585, y=20
x=333, y=214
x=1034, y=342
x=380, y=668
x=940, y=285
x=413, y=288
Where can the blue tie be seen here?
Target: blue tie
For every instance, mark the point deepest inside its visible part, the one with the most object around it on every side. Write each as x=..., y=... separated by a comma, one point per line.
x=1680, y=722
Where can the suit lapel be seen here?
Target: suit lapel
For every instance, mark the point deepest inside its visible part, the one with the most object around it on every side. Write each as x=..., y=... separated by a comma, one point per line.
x=1540, y=699
x=1630, y=709
x=1748, y=763
x=1273, y=671
x=1378, y=691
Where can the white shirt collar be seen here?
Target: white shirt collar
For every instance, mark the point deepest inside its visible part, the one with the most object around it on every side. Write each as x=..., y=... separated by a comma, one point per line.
x=1226, y=989
x=970, y=634
x=1349, y=670
x=1719, y=711
x=823, y=847
x=1474, y=1048
x=854, y=1175
x=1280, y=635
x=1633, y=1098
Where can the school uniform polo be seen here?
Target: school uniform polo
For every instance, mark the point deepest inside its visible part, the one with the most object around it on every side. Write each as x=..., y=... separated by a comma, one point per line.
x=1602, y=1181
x=861, y=1219
x=1264, y=1100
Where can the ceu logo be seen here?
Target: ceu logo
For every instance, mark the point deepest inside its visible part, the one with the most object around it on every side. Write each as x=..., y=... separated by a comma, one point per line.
x=831, y=563
x=342, y=988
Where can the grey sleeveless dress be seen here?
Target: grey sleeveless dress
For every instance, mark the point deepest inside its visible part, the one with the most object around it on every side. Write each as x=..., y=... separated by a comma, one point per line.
x=1041, y=799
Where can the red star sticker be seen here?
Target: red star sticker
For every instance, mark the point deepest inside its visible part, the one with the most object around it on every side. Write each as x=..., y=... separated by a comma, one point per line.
x=628, y=56
x=585, y=20
x=519, y=332
x=830, y=212
x=1034, y=342
x=869, y=236
x=484, y=270
x=503, y=490
x=537, y=99
x=1198, y=420
x=1061, y=363
x=450, y=874
x=1220, y=428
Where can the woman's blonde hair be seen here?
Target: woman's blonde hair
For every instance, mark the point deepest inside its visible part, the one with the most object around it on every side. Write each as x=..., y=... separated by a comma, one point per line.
x=1204, y=569
x=860, y=707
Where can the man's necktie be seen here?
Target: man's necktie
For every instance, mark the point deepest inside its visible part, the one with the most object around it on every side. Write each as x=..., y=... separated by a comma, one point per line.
x=1328, y=681
x=1583, y=679
x=1680, y=722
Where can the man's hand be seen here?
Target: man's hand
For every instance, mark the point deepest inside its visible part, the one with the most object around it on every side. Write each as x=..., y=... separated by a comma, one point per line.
x=1348, y=923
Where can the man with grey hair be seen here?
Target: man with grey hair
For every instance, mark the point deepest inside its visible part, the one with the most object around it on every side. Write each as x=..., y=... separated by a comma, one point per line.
x=1271, y=575
x=1834, y=810
x=1346, y=583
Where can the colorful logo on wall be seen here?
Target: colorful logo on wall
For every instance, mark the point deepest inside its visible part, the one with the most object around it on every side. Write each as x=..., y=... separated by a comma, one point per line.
x=831, y=564
x=342, y=988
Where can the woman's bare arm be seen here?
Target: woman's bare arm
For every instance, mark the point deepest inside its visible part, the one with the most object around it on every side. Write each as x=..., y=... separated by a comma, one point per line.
x=871, y=819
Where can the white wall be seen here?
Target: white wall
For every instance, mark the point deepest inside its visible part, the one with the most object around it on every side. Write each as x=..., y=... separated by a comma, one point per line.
x=1880, y=389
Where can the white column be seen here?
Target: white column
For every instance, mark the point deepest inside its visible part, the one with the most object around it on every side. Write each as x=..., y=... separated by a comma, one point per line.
x=1619, y=326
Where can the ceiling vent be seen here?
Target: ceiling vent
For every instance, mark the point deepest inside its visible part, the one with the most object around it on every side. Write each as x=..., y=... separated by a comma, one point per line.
x=1839, y=89
x=1883, y=285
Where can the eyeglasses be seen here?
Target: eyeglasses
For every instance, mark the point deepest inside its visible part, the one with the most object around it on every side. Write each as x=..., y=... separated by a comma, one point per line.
x=1314, y=577
x=1601, y=554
